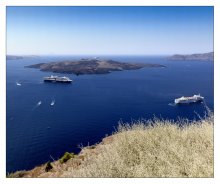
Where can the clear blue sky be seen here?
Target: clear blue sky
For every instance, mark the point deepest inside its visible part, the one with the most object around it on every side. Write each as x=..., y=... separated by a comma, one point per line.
x=109, y=30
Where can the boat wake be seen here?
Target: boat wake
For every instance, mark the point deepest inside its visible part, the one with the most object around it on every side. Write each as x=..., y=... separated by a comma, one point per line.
x=37, y=105
x=172, y=104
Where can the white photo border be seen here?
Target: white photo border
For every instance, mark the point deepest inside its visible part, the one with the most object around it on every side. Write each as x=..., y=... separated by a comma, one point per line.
x=5, y=3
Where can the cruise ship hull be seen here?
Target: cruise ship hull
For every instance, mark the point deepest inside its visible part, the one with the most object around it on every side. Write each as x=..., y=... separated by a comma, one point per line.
x=57, y=81
x=188, y=101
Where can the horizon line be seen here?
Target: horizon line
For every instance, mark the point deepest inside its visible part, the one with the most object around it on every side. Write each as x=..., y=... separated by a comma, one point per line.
x=107, y=54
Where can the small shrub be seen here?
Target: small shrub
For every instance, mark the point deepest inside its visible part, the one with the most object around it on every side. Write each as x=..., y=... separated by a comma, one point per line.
x=48, y=167
x=66, y=157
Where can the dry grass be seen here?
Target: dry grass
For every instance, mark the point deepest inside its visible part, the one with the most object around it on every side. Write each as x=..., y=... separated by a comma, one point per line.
x=143, y=149
x=161, y=150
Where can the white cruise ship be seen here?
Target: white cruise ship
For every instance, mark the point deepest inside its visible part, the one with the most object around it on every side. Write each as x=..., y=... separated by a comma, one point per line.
x=57, y=79
x=187, y=100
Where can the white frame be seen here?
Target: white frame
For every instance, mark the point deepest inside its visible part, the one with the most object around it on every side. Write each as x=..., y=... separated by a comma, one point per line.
x=4, y=3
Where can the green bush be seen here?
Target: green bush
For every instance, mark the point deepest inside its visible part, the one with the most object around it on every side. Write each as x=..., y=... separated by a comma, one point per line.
x=66, y=157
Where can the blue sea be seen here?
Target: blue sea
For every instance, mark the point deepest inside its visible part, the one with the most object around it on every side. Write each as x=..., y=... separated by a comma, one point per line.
x=91, y=107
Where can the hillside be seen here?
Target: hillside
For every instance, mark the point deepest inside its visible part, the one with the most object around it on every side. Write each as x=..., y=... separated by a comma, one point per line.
x=143, y=149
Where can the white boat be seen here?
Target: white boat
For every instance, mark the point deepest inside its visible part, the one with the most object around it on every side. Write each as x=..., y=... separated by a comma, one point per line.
x=187, y=100
x=52, y=103
x=39, y=103
x=18, y=84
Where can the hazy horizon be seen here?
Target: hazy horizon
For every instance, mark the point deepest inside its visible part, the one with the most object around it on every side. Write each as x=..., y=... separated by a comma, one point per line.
x=106, y=30
x=98, y=55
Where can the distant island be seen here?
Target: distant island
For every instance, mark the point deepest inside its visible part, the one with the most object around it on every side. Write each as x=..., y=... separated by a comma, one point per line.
x=90, y=66
x=193, y=57
x=12, y=57
x=15, y=57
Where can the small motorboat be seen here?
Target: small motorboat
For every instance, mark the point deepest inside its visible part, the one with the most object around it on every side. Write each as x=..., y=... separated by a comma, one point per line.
x=18, y=84
x=52, y=103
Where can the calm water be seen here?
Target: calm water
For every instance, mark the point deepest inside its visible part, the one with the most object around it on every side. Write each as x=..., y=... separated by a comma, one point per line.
x=90, y=108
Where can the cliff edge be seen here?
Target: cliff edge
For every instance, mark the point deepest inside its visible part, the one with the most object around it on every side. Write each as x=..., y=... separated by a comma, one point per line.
x=141, y=149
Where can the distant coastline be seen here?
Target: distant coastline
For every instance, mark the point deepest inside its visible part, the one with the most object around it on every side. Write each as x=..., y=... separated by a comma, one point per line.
x=193, y=57
x=13, y=57
x=90, y=66
x=18, y=57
